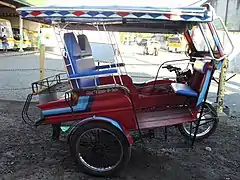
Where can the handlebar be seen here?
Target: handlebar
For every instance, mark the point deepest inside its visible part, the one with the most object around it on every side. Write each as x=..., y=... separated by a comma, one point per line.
x=172, y=68
x=181, y=76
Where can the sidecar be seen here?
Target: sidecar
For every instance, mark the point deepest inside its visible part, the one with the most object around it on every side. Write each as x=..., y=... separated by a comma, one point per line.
x=102, y=105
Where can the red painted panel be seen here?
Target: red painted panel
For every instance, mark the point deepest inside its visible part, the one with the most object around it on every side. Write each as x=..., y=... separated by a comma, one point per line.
x=124, y=116
x=61, y=103
x=127, y=81
x=122, y=14
x=167, y=122
x=168, y=16
x=78, y=13
x=113, y=101
x=36, y=13
x=160, y=101
x=159, y=82
x=170, y=116
x=118, y=105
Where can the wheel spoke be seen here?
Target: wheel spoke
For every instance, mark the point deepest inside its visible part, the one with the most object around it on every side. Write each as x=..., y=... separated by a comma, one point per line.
x=99, y=149
x=202, y=124
x=206, y=123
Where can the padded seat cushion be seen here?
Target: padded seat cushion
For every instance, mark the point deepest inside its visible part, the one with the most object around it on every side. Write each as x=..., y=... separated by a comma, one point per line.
x=183, y=89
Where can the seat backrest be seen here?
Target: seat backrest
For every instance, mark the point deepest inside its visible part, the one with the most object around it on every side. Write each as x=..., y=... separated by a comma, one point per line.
x=84, y=45
x=201, y=79
x=73, y=54
x=196, y=81
x=86, y=63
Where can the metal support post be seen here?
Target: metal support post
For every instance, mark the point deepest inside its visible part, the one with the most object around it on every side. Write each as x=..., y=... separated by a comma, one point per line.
x=128, y=38
x=39, y=36
x=47, y=96
x=201, y=112
x=221, y=88
x=226, y=13
x=21, y=34
x=165, y=133
x=42, y=60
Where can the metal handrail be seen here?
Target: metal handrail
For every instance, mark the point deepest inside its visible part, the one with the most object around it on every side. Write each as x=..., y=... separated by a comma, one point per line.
x=227, y=33
x=206, y=40
x=102, y=87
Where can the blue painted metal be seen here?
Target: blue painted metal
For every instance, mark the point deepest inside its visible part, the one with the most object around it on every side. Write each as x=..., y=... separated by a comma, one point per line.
x=70, y=42
x=74, y=73
x=98, y=118
x=93, y=73
x=204, y=88
x=183, y=89
x=113, y=122
x=81, y=106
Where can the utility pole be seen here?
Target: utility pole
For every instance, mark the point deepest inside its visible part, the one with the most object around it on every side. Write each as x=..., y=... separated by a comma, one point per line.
x=21, y=34
x=226, y=13
x=42, y=61
x=222, y=76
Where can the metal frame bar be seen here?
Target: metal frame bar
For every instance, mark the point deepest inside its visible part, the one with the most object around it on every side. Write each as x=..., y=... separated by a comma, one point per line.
x=201, y=112
x=64, y=52
x=222, y=76
x=119, y=74
x=206, y=40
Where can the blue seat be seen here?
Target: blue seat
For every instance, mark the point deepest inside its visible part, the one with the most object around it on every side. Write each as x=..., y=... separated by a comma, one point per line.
x=200, y=66
x=183, y=89
x=86, y=51
x=82, y=71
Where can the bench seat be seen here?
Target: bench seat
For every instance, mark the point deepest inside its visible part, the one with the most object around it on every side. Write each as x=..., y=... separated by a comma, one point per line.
x=183, y=89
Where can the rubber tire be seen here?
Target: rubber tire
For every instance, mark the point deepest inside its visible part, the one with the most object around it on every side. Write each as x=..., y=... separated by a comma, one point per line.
x=200, y=138
x=104, y=125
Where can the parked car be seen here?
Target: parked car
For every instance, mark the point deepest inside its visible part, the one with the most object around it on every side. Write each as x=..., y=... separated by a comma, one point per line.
x=176, y=44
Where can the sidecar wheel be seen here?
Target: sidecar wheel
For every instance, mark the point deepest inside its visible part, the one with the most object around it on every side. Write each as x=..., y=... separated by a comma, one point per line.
x=100, y=149
x=207, y=127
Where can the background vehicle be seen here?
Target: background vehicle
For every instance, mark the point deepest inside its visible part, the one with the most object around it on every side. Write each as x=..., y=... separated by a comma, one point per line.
x=33, y=38
x=176, y=43
x=143, y=42
x=6, y=29
x=152, y=47
x=162, y=38
x=26, y=40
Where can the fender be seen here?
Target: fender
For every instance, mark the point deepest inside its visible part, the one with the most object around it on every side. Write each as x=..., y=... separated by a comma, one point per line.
x=104, y=119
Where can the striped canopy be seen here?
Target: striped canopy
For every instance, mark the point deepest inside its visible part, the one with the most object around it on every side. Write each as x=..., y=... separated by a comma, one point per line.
x=118, y=16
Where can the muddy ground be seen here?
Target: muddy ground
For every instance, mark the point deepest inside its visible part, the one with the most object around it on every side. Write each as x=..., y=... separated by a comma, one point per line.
x=27, y=153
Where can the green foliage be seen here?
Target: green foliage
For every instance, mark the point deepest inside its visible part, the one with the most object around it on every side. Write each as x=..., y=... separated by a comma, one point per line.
x=32, y=2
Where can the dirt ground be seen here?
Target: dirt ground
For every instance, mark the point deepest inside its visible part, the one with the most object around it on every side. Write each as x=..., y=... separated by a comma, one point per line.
x=30, y=154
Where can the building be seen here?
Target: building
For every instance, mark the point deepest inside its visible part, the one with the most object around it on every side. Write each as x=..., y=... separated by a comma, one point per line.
x=8, y=13
x=229, y=10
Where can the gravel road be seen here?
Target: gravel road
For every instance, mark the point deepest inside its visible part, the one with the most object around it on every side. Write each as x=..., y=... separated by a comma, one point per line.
x=29, y=154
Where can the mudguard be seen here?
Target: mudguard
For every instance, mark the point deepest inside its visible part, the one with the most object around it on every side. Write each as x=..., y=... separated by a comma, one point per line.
x=104, y=119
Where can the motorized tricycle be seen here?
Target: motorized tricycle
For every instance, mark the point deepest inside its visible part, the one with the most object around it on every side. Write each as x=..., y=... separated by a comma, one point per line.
x=102, y=106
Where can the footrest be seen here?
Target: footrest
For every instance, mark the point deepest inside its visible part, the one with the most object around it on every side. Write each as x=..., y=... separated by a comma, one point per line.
x=183, y=89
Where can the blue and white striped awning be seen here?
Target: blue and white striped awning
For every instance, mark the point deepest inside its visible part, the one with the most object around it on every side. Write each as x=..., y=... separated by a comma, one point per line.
x=190, y=14
x=120, y=18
